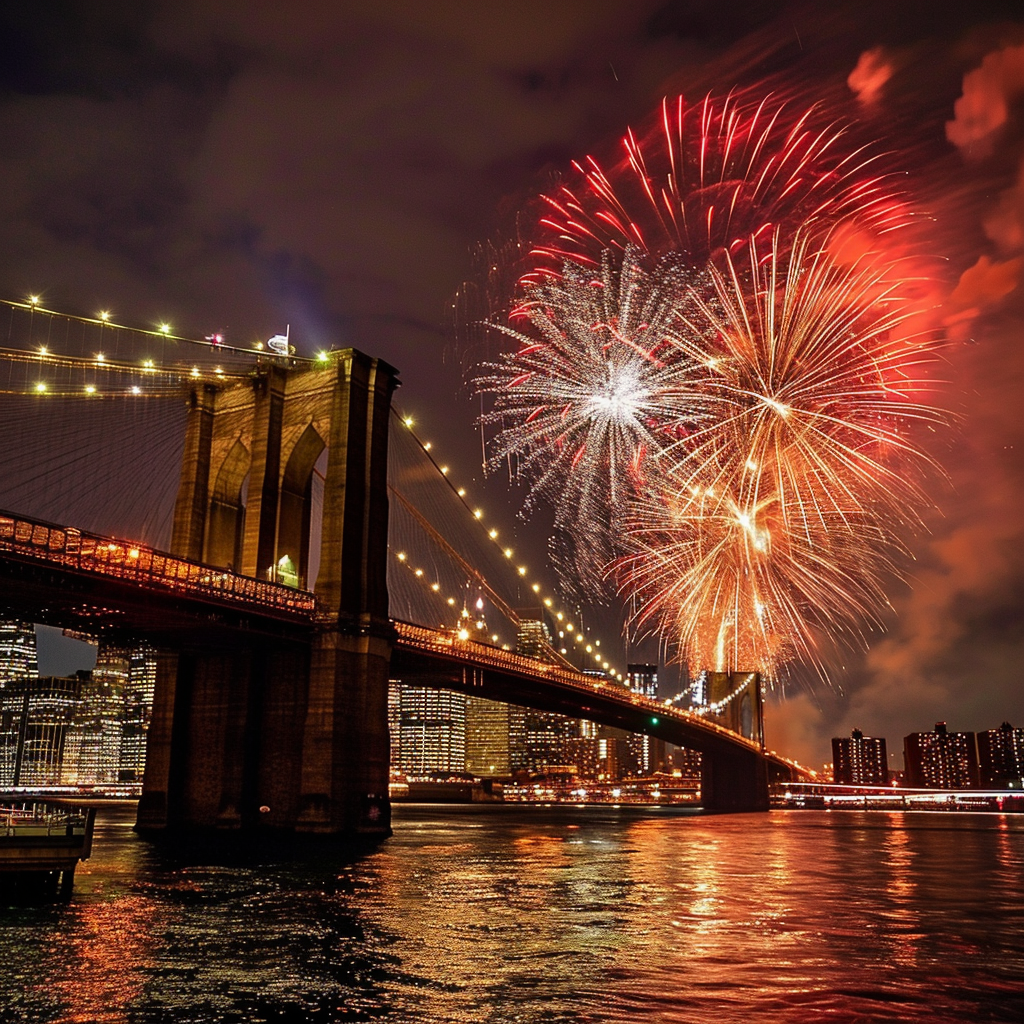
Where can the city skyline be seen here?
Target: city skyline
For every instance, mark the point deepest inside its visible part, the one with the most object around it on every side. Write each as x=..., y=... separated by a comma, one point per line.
x=228, y=252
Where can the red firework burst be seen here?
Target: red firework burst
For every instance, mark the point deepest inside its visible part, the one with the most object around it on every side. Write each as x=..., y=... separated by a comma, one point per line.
x=708, y=179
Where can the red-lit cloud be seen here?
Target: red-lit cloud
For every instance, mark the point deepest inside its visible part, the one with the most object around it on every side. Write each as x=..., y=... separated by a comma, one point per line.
x=984, y=107
x=868, y=78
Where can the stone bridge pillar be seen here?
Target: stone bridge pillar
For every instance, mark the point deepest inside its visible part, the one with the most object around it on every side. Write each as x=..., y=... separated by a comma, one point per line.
x=738, y=780
x=290, y=735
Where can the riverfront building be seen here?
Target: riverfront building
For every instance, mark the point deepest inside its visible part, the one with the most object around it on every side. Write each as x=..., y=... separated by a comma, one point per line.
x=17, y=651
x=93, y=754
x=941, y=759
x=36, y=716
x=1001, y=757
x=860, y=760
x=138, y=710
x=647, y=754
x=428, y=730
x=495, y=738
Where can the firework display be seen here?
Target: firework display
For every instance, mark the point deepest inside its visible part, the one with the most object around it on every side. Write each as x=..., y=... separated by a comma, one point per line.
x=777, y=522
x=708, y=178
x=717, y=393
x=595, y=385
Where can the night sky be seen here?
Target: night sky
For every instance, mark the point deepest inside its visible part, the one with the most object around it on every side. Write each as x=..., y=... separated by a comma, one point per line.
x=333, y=166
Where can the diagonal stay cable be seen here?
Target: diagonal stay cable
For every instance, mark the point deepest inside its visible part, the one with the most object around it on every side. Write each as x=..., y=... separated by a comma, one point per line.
x=454, y=555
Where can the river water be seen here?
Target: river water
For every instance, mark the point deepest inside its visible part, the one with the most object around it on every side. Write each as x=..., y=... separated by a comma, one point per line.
x=518, y=914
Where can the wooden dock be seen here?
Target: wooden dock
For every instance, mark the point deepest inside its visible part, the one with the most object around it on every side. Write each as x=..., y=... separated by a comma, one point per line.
x=41, y=843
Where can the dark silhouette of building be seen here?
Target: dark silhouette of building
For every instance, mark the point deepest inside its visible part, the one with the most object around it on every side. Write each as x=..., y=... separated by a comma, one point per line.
x=860, y=760
x=1001, y=757
x=941, y=759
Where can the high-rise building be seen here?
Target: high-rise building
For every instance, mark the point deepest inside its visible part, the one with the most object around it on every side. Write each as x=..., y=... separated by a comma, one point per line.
x=643, y=679
x=699, y=690
x=431, y=729
x=603, y=758
x=35, y=716
x=93, y=746
x=860, y=760
x=139, y=690
x=647, y=754
x=495, y=740
x=17, y=651
x=544, y=734
x=395, y=722
x=1001, y=756
x=941, y=759
x=545, y=741
x=684, y=761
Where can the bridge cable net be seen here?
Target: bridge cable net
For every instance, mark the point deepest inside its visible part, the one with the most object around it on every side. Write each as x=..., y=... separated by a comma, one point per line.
x=444, y=570
x=93, y=418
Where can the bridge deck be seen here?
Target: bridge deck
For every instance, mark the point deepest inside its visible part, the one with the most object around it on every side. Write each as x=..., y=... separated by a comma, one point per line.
x=158, y=594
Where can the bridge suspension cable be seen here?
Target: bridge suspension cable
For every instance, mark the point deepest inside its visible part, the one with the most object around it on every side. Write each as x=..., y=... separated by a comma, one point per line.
x=93, y=411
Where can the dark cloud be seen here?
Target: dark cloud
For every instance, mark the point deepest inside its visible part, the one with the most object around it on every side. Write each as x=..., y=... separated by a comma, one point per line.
x=331, y=166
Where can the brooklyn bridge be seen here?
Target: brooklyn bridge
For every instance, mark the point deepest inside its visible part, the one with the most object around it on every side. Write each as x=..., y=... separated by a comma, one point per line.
x=316, y=550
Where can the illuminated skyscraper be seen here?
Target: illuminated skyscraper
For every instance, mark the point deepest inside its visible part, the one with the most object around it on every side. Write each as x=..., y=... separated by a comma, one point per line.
x=17, y=651
x=93, y=754
x=35, y=716
x=941, y=759
x=542, y=747
x=860, y=760
x=643, y=679
x=138, y=709
x=1001, y=756
x=646, y=753
x=431, y=729
x=495, y=738
x=395, y=722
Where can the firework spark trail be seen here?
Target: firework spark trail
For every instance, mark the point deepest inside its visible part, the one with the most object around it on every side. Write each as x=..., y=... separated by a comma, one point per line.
x=782, y=516
x=709, y=179
x=593, y=387
x=812, y=379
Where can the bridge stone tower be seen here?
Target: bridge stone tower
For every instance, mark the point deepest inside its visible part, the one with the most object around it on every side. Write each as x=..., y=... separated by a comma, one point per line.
x=738, y=782
x=227, y=723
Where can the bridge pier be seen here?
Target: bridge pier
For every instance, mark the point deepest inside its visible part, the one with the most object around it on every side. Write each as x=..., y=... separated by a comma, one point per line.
x=346, y=746
x=734, y=782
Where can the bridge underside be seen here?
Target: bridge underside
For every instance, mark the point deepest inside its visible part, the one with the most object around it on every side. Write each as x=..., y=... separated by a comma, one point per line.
x=119, y=610
x=733, y=778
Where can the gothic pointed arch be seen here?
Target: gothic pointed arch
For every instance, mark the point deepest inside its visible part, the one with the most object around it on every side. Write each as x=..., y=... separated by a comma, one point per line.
x=296, y=504
x=227, y=509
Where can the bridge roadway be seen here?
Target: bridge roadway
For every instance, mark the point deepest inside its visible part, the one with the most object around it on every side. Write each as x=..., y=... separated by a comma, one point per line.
x=124, y=591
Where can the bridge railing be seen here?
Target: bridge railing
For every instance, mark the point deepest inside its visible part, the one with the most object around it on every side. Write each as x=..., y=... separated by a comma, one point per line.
x=450, y=645
x=91, y=553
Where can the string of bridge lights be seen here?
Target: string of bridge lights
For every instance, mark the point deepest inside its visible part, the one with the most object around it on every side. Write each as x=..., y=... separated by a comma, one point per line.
x=568, y=631
x=714, y=708
x=158, y=380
